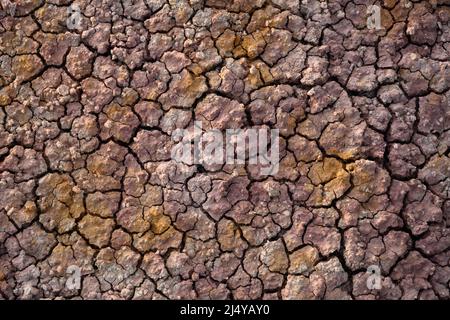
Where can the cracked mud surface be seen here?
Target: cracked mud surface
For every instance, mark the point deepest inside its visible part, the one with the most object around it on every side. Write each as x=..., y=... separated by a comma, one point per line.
x=86, y=177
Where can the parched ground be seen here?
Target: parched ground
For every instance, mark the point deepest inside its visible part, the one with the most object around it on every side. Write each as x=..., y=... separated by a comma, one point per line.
x=87, y=180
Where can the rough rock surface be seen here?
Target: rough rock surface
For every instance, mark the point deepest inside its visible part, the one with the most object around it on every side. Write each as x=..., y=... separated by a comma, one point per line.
x=88, y=104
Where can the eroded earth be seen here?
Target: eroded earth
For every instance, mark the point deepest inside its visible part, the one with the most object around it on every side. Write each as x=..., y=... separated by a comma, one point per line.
x=89, y=103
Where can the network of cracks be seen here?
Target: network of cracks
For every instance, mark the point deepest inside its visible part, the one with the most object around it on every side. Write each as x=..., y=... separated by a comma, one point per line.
x=92, y=91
